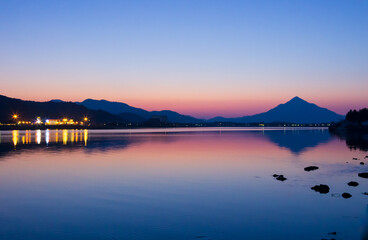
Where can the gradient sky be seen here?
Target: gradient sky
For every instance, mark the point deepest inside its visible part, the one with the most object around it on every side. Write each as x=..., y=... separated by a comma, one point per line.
x=203, y=58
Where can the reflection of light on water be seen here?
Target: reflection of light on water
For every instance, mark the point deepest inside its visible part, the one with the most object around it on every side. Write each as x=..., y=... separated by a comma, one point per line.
x=85, y=137
x=72, y=136
x=57, y=136
x=28, y=137
x=38, y=136
x=15, y=137
x=65, y=136
x=47, y=136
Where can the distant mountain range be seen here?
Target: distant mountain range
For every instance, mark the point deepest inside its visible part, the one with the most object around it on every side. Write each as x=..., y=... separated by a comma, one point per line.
x=296, y=110
x=128, y=112
x=30, y=110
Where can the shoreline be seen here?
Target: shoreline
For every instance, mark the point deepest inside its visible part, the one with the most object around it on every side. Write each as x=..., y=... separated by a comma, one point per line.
x=347, y=126
x=300, y=126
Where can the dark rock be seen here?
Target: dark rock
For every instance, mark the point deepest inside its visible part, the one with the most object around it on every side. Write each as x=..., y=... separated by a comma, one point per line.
x=365, y=193
x=353, y=184
x=363, y=175
x=332, y=233
x=346, y=195
x=310, y=168
x=361, y=163
x=323, y=189
x=355, y=158
x=275, y=175
x=281, y=178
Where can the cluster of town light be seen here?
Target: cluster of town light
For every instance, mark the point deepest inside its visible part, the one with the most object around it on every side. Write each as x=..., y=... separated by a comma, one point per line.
x=64, y=121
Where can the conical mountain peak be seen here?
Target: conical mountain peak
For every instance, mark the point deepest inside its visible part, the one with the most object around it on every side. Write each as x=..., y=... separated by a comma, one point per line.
x=296, y=110
x=296, y=99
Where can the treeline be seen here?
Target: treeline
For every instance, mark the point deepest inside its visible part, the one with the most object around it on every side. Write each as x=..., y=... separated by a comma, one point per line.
x=357, y=116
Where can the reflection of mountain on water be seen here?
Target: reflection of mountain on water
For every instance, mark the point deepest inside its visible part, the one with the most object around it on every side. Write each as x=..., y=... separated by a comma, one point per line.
x=296, y=141
x=299, y=140
x=8, y=148
x=119, y=142
x=94, y=143
x=354, y=139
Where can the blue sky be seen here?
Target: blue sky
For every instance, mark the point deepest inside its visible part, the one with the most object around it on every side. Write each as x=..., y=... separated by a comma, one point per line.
x=204, y=58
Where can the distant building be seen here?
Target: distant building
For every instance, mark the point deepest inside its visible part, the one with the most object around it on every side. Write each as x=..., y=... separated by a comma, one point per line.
x=64, y=121
x=52, y=122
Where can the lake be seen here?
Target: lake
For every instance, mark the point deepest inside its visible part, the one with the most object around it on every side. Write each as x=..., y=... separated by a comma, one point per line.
x=190, y=183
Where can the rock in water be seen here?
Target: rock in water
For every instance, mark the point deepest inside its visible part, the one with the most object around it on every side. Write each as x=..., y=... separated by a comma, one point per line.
x=281, y=178
x=353, y=184
x=363, y=175
x=322, y=188
x=346, y=195
x=361, y=163
x=310, y=168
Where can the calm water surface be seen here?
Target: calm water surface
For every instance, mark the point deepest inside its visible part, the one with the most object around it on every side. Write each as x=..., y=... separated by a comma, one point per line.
x=179, y=184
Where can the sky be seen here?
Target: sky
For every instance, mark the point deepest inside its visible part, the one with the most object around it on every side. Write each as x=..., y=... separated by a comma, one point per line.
x=202, y=58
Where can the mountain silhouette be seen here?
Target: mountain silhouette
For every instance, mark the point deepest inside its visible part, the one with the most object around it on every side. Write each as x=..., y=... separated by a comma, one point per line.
x=128, y=112
x=296, y=110
x=113, y=107
x=123, y=110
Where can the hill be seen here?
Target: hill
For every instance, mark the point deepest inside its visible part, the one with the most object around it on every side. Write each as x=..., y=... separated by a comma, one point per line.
x=124, y=110
x=30, y=110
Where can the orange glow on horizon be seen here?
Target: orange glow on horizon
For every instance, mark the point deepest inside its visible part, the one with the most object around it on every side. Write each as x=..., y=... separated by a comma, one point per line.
x=208, y=106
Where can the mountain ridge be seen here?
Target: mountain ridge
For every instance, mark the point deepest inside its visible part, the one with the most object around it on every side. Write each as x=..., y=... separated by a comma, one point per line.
x=121, y=109
x=51, y=109
x=296, y=110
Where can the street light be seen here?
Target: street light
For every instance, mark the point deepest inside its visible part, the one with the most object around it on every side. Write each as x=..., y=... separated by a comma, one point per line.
x=15, y=116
